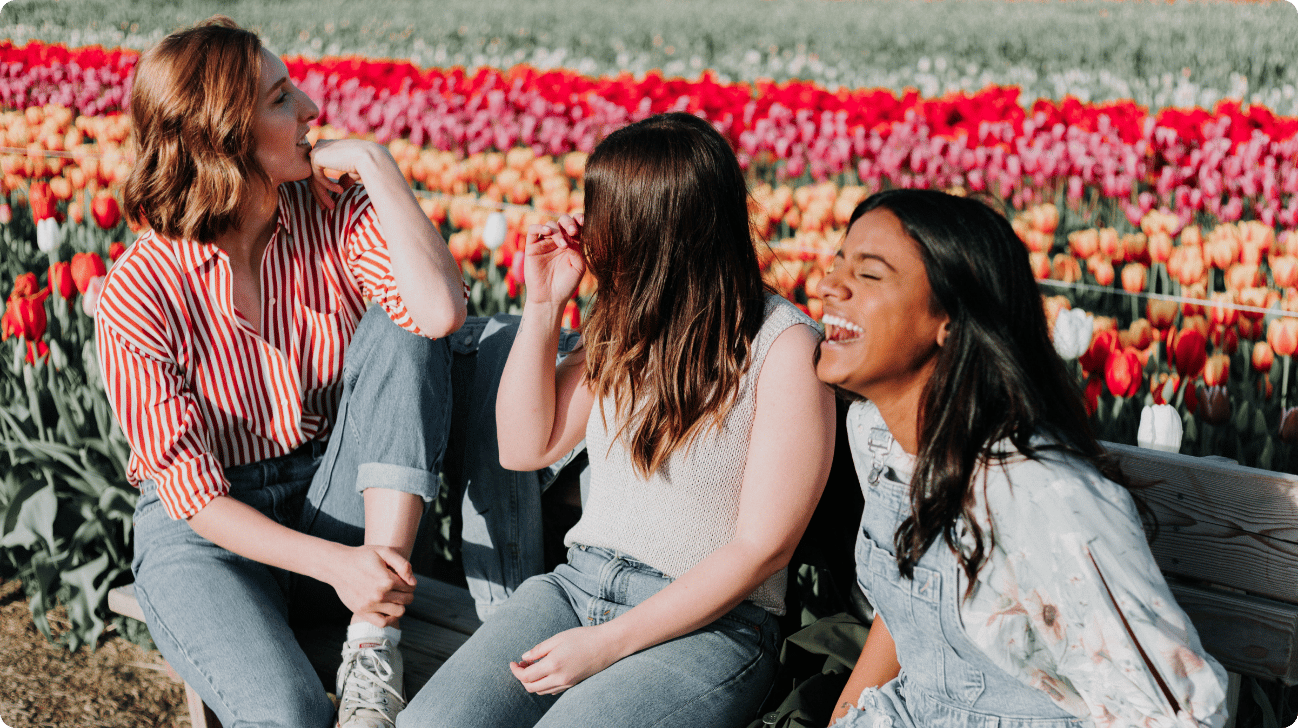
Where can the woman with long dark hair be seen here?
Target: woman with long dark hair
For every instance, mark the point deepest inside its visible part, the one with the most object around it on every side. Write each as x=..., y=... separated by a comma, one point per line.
x=284, y=440
x=1010, y=572
x=709, y=440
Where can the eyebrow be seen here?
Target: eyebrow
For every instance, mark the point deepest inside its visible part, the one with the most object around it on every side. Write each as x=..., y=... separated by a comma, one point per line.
x=283, y=80
x=859, y=257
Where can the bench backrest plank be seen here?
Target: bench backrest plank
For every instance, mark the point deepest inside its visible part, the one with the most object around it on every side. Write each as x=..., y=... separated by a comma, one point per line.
x=1228, y=543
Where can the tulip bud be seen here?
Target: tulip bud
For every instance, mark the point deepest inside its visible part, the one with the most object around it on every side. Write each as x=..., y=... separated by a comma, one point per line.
x=6, y=214
x=1263, y=357
x=1160, y=428
x=1217, y=370
x=86, y=266
x=1214, y=405
x=1282, y=335
x=115, y=250
x=47, y=235
x=493, y=233
x=60, y=280
x=1288, y=429
x=1065, y=268
x=1188, y=352
x=1161, y=313
x=1122, y=373
x=90, y=296
x=105, y=210
x=1072, y=333
x=1133, y=277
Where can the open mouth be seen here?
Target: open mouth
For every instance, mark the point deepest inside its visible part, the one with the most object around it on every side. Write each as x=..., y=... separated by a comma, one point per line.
x=840, y=330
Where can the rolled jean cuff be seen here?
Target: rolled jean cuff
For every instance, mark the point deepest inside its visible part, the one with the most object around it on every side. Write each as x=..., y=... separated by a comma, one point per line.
x=423, y=483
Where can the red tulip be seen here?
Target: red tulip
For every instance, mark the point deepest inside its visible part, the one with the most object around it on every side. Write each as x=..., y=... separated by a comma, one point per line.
x=25, y=285
x=1098, y=354
x=41, y=199
x=1214, y=405
x=1094, y=386
x=572, y=316
x=25, y=316
x=115, y=250
x=1122, y=373
x=36, y=351
x=1188, y=352
x=86, y=266
x=60, y=280
x=105, y=210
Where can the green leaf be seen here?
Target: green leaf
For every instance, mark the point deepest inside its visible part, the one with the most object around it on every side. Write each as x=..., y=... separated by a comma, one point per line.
x=84, y=599
x=38, y=513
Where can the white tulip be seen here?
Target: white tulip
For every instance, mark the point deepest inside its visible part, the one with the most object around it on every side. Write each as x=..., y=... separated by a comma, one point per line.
x=1072, y=334
x=47, y=235
x=493, y=233
x=1160, y=428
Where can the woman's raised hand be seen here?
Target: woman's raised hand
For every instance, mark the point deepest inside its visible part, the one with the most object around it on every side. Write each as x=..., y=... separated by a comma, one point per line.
x=348, y=156
x=554, y=262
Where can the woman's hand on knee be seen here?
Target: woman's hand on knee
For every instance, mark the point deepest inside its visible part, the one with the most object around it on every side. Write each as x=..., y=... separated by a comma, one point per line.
x=565, y=659
x=374, y=580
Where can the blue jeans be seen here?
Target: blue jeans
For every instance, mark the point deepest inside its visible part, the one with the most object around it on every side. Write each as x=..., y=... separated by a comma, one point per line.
x=501, y=509
x=716, y=676
x=226, y=623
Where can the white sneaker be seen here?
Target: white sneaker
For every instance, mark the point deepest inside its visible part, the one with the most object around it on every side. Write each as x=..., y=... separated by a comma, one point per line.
x=370, y=684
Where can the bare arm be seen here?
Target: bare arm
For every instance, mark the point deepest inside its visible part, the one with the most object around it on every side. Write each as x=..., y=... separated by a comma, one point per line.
x=374, y=581
x=541, y=409
x=876, y=666
x=782, y=483
x=423, y=268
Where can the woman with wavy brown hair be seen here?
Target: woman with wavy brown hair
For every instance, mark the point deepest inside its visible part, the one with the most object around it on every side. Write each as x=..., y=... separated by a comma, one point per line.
x=691, y=378
x=283, y=439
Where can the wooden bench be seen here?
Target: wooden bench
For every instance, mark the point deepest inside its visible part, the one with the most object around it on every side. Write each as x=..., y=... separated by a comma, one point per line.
x=1228, y=544
x=441, y=618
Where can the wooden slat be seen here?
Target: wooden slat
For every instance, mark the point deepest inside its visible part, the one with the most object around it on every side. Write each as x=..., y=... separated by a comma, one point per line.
x=1220, y=522
x=437, y=602
x=1248, y=635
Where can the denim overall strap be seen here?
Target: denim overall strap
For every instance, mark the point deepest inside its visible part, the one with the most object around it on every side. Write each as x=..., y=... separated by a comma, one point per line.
x=945, y=679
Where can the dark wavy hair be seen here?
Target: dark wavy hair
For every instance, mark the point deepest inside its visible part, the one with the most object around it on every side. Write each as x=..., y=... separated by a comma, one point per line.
x=681, y=295
x=997, y=377
x=192, y=105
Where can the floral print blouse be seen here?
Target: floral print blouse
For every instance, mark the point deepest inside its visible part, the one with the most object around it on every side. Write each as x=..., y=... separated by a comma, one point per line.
x=1071, y=602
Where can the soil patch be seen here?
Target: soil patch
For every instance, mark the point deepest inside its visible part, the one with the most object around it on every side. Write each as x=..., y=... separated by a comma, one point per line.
x=43, y=685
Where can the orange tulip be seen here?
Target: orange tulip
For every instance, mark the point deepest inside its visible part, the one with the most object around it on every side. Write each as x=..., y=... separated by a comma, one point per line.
x=1101, y=268
x=1053, y=305
x=1164, y=388
x=1084, y=243
x=1263, y=358
x=1216, y=371
x=1192, y=267
x=86, y=266
x=1244, y=275
x=1066, y=269
x=1284, y=270
x=1222, y=313
x=1134, y=276
x=1161, y=314
x=1040, y=263
x=1159, y=247
x=1111, y=245
x=1282, y=335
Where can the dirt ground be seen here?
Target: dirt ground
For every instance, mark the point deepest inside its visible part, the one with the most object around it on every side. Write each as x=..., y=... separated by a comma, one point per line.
x=42, y=685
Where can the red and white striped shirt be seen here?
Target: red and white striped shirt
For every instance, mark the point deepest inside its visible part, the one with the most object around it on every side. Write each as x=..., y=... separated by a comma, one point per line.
x=195, y=388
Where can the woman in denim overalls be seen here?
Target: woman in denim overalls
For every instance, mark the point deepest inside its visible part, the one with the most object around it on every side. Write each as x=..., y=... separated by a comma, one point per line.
x=1010, y=568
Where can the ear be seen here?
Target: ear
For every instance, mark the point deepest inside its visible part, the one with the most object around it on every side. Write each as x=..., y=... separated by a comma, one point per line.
x=943, y=332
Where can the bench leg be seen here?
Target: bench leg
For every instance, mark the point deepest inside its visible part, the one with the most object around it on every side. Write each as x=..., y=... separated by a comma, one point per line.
x=200, y=716
x=1233, y=683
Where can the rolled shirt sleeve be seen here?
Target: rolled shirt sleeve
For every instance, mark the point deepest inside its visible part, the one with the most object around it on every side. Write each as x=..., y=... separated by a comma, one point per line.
x=365, y=251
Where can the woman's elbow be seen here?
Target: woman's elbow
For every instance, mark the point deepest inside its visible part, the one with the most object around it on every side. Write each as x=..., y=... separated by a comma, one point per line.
x=443, y=322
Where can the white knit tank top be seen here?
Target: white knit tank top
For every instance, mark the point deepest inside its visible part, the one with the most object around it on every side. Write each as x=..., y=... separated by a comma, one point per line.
x=686, y=510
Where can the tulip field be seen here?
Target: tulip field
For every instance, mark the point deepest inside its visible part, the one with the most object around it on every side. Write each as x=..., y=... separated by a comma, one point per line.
x=1164, y=234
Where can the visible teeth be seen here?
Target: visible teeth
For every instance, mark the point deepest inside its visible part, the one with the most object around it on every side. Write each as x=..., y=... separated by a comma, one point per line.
x=841, y=323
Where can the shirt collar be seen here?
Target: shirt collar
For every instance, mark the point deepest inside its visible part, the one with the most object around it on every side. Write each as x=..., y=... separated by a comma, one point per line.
x=194, y=254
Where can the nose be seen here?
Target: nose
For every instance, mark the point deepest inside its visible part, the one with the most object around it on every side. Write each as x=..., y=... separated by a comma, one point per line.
x=307, y=109
x=831, y=285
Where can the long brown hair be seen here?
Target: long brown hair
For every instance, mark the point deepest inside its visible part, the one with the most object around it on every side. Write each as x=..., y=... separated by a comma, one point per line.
x=680, y=296
x=192, y=106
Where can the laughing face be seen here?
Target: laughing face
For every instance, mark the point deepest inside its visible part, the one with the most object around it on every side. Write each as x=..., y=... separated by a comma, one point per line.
x=881, y=336
x=280, y=124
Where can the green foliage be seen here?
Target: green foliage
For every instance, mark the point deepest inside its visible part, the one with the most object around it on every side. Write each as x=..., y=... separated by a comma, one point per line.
x=65, y=508
x=1158, y=54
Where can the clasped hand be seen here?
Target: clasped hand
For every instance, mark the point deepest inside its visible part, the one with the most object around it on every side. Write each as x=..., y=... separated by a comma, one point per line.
x=375, y=582
x=565, y=660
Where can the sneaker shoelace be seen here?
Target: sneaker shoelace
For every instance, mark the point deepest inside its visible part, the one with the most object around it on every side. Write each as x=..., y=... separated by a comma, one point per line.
x=367, y=682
